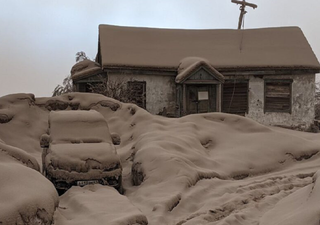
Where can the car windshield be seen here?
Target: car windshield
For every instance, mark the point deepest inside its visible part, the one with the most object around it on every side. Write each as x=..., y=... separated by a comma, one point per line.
x=78, y=127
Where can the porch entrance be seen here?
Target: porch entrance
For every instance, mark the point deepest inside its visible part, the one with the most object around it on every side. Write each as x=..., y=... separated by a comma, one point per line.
x=201, y=98
x=198, y=87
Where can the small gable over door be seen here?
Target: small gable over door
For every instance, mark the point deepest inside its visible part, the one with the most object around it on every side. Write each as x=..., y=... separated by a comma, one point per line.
x=199, y=71
x=202, y=74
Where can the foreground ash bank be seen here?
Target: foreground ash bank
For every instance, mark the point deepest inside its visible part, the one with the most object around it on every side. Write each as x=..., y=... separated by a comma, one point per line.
x=265, y=74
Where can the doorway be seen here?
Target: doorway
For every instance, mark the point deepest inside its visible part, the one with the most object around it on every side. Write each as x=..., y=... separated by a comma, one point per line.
x=201, y=98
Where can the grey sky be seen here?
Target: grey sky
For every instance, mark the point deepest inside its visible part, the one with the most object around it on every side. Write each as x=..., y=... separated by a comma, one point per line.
x=39, y=38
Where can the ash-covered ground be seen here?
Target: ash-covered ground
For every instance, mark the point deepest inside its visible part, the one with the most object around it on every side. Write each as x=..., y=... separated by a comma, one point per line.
x=210, y=168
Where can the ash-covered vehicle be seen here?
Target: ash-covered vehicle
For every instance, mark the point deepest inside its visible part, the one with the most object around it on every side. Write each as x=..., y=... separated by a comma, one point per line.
x=78, y=150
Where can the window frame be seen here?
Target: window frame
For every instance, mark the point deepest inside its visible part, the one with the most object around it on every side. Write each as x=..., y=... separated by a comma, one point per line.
x=235, y=81
x=144, y=87
x=285, y=81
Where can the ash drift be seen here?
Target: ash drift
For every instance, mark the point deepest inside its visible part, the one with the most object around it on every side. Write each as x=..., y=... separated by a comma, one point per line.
x=200, y=169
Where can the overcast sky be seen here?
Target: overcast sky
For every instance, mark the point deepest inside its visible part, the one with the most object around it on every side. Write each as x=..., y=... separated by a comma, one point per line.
x=39, y=38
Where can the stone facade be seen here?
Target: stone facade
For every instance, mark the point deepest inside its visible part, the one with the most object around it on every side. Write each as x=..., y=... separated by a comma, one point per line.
x=302, y=111
x=160, y=91
x=161, y=94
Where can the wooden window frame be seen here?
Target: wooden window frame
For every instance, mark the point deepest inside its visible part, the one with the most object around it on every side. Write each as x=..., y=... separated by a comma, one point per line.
x=144, y=84
x=285, y=81
x=236, y=81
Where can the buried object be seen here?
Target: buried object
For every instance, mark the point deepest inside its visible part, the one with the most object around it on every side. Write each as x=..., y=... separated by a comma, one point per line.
x=79, y=151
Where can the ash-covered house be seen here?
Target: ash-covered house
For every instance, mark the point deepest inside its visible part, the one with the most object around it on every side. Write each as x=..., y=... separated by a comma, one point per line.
x=266, y=74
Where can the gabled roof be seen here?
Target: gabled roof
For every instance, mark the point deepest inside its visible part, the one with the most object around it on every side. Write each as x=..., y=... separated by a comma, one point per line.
x=85, y=68
x=190, y=65
x=284, y=47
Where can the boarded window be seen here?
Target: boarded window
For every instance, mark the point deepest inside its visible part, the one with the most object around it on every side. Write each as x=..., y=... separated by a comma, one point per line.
x=137, y=90
x=235, y=97
x=277, y=96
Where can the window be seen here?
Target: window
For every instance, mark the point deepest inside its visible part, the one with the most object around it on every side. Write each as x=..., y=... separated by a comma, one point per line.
x=84, y=87
x=235, y=97
x=277, y=96
x=137, y=90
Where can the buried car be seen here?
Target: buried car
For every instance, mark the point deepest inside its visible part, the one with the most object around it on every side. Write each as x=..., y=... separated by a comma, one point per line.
x=78, y=150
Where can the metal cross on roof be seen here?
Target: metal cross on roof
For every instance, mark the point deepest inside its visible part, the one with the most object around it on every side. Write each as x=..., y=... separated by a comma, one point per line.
x=243, y=5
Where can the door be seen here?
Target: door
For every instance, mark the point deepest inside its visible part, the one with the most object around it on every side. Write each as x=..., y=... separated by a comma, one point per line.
x=201, y=98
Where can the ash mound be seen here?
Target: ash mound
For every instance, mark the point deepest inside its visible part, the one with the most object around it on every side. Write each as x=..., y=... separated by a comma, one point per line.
x=211, y=168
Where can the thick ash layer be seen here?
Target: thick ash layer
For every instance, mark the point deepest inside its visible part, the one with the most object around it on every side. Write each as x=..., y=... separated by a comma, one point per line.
x=199, y=169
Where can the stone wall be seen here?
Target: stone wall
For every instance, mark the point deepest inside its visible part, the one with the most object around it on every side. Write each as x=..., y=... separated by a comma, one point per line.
x=160, y=91
x=302, y=113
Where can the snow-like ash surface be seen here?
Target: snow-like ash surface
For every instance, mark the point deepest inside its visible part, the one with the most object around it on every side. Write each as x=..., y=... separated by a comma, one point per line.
x=97, y=204
x=200, y=169
x=26, y=197
x=78, y=127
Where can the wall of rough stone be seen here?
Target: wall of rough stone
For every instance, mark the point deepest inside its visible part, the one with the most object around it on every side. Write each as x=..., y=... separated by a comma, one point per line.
x=302, y=113
x=160, y=91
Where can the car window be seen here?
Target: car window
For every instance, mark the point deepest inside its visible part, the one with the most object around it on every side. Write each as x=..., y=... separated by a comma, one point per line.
x=78, y=127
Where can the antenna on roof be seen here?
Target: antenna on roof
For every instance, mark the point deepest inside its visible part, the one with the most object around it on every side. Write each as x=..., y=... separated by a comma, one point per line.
x=243, y=5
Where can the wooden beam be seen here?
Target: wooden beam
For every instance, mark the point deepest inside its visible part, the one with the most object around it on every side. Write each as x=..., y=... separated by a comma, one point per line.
x=243, y=11
x=245, y=3
x=202, y=82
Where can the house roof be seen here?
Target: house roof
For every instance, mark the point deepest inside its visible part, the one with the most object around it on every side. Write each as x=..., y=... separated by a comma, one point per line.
x=132, y=47
x=84, y=69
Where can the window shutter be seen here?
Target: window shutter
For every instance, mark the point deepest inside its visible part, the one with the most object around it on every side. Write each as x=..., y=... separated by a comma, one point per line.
x=235, y=97
x=278, y=96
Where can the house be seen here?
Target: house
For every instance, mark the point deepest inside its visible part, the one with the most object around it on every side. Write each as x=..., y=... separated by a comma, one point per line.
x=266, y=74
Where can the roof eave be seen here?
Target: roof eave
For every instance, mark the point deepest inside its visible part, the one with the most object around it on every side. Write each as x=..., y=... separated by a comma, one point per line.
x=221, y=69
x=271, y=69
x=132, y=67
